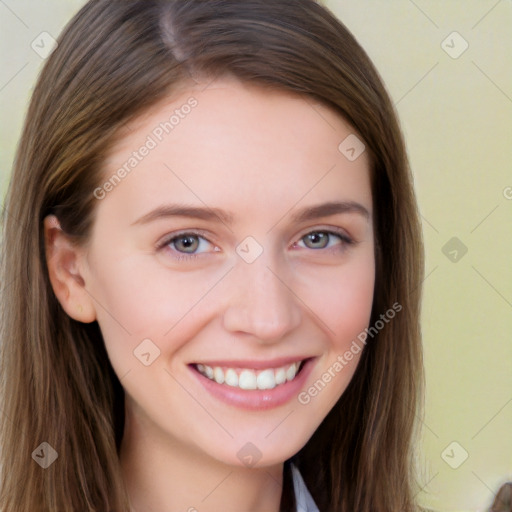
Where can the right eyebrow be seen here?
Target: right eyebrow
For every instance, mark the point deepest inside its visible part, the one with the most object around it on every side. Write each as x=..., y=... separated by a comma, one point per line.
x=176, y=210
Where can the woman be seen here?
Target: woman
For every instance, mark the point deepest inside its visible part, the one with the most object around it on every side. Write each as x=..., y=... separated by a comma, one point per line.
x=212, y=269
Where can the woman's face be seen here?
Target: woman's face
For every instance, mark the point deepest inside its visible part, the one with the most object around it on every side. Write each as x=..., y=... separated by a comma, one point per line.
x=235, y=234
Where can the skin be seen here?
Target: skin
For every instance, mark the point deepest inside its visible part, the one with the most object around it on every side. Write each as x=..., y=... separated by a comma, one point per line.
x=262, y=156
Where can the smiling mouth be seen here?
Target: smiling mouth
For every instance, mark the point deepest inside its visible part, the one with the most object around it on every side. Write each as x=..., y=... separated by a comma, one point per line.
x=249, y=379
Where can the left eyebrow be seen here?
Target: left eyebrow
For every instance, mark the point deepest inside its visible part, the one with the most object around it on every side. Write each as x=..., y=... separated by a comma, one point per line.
x=332, y=208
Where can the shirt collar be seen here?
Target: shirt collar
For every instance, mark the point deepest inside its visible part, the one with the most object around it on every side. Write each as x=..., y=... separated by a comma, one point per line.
x=305, y=502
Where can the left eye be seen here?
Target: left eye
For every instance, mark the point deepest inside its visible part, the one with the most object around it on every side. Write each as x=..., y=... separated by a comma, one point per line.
x=322, y=239
x=188, y=243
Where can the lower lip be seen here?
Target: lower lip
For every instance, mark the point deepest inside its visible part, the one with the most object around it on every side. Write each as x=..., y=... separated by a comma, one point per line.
x=257, y=399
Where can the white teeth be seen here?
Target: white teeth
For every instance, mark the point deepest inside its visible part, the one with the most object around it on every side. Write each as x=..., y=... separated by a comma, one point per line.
x=231, y=378
x=266, y=379
x=218, y=375
x=247, y=380
x=250, y=379
x=209, y=371
x=291, y=372
x=280, y=376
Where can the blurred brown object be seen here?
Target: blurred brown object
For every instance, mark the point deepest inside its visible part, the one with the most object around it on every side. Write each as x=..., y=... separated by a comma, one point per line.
x=503, y=500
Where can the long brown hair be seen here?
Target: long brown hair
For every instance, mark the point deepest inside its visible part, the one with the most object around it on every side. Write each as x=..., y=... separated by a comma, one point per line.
x=114, y=60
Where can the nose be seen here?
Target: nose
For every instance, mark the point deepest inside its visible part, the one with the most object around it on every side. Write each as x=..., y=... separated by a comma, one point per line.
x=260, y=302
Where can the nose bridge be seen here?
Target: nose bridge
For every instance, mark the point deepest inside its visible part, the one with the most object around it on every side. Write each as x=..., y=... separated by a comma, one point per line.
x=260, y=303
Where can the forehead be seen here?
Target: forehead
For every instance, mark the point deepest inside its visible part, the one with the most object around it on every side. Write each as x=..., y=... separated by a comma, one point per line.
x=235, y=146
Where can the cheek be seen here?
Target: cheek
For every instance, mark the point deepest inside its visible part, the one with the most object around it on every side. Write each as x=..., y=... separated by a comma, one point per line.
x=342, y=300
x=136, y=301
x=344, y=304
x=348, y=309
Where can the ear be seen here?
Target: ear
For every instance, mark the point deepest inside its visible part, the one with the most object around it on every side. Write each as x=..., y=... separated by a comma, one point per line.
x=64, y=261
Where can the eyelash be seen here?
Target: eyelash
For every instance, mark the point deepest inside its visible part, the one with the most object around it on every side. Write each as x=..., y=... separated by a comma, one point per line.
x=347, y=241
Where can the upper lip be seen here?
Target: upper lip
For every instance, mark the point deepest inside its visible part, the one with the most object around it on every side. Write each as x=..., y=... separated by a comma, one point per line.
x=251, y=363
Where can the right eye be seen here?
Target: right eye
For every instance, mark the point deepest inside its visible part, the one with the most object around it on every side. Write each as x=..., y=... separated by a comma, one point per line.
x=187, y=245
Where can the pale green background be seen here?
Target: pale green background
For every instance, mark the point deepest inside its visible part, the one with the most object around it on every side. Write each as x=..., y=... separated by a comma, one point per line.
x=457, y=119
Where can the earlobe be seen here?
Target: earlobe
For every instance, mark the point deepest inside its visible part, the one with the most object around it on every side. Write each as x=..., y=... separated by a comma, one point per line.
x=63, y=260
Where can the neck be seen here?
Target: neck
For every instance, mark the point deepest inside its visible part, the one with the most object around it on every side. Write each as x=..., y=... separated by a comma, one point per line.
x=164, y=475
